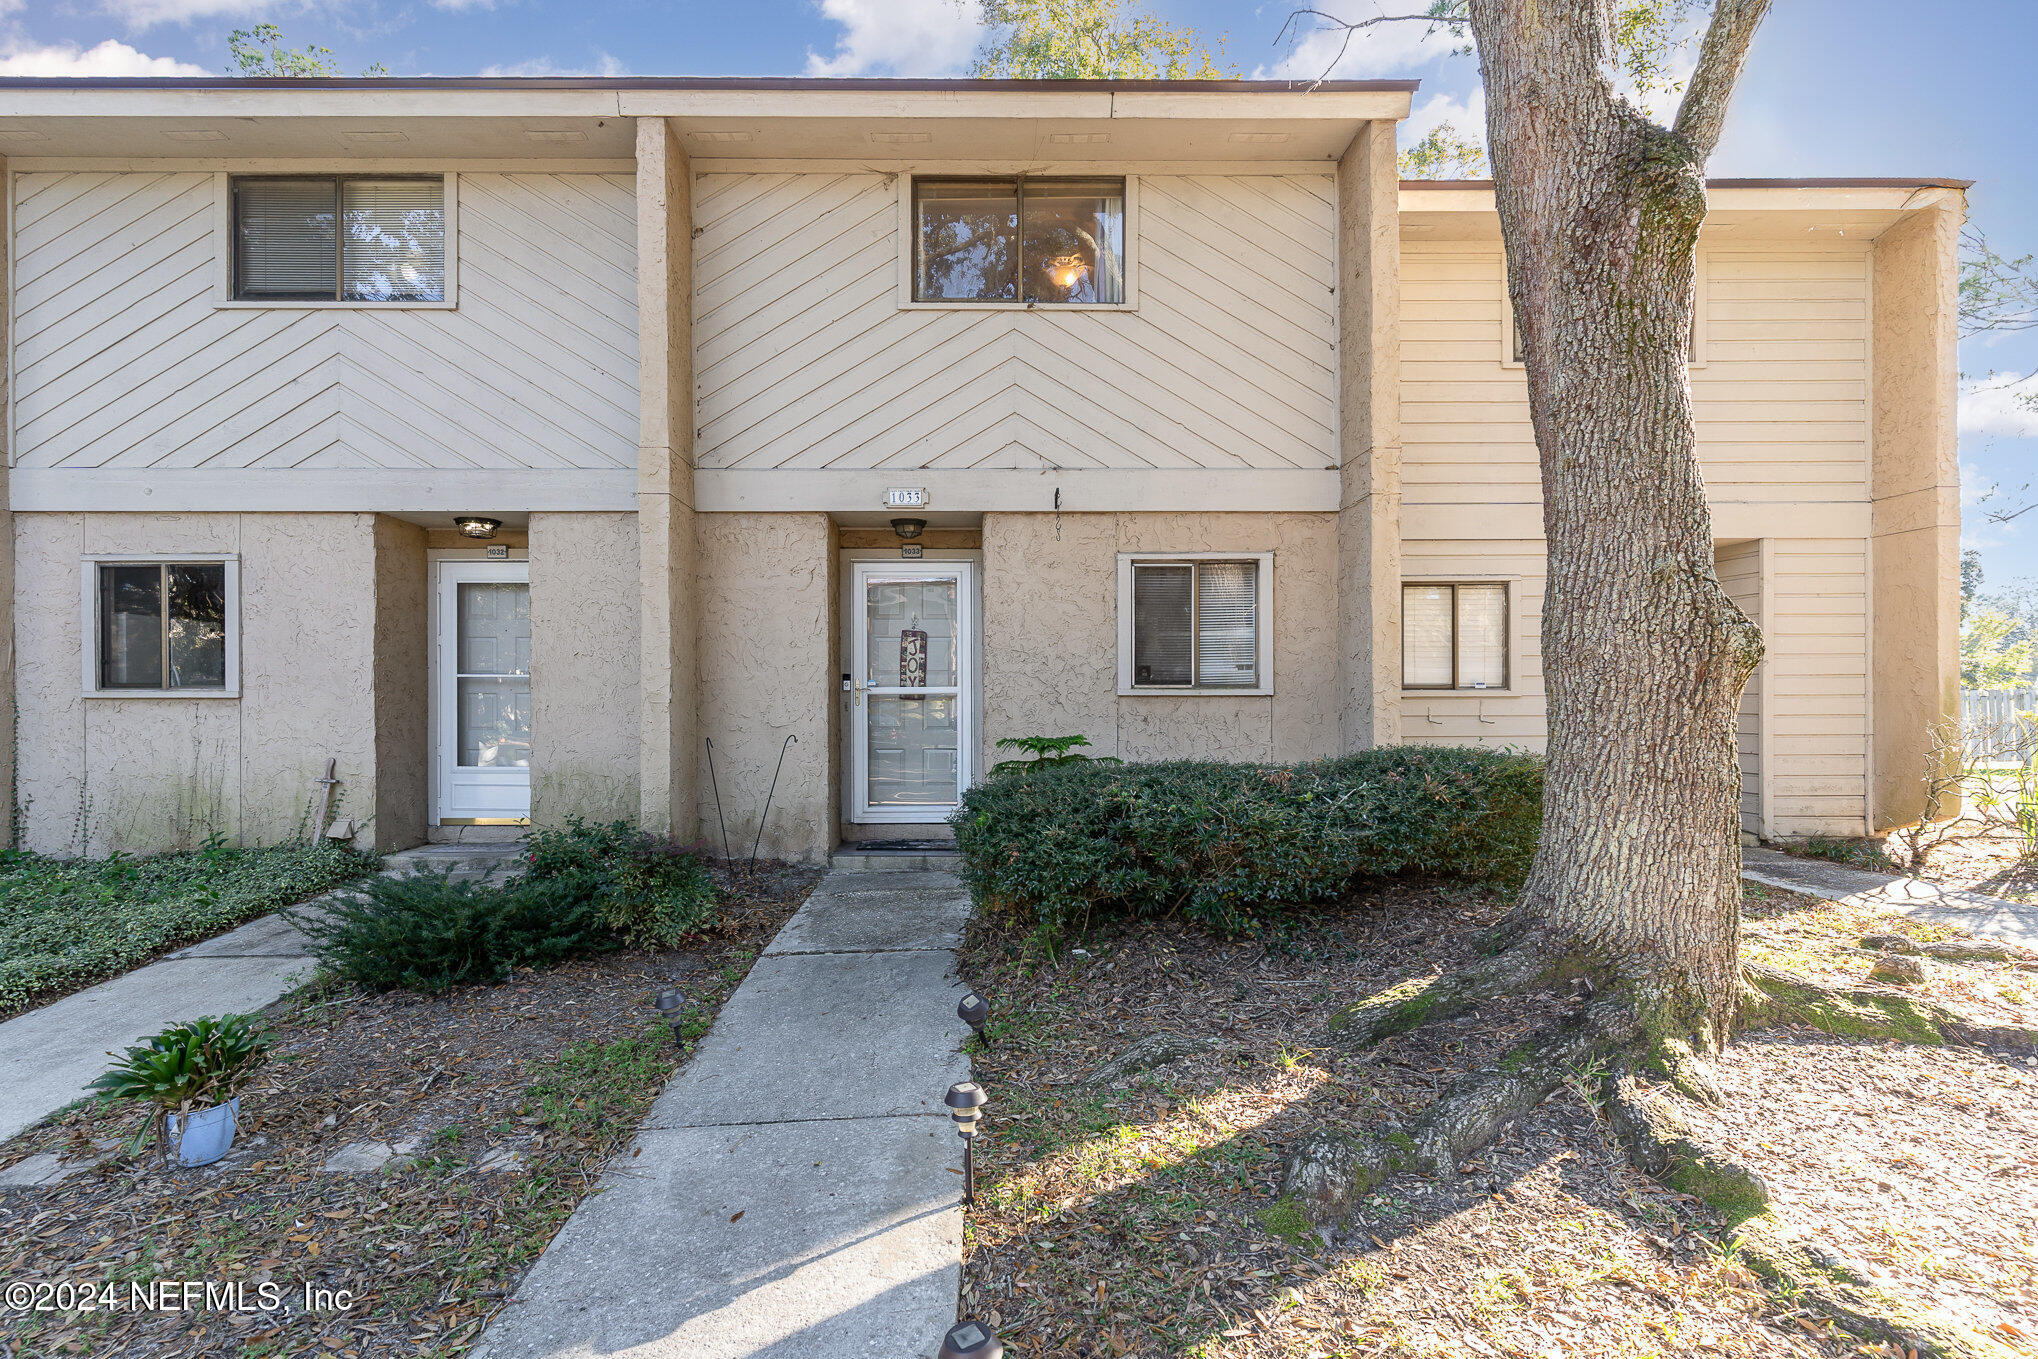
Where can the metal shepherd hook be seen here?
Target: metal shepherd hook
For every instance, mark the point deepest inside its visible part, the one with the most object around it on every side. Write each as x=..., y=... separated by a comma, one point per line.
x=789, y=740
x=715, y=784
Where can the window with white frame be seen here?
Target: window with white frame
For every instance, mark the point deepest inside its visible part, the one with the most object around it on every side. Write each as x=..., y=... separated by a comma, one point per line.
x=1031, y=241
x=162, y=626
x=339, y=238
x=1454, y=635
x=1197, y=622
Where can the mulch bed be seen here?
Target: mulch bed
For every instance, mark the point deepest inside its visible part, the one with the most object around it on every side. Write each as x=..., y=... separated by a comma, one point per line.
x=1136, y=1220
x=505, y=1100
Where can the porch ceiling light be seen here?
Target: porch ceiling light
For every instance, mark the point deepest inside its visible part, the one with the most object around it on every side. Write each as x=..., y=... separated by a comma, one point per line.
x=973, y=1010
x=970, y=1339
x=909, y=528
x=477, y=526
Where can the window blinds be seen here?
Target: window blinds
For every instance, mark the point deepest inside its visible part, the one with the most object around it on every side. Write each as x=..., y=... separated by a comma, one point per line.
x=395, y=243
x=1482, y=636
x=1227, y=640
x=1160, y=625
x=286, y=238
x=1426, y=636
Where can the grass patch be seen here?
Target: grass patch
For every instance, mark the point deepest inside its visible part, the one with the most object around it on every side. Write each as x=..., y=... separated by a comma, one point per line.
x=67, y=923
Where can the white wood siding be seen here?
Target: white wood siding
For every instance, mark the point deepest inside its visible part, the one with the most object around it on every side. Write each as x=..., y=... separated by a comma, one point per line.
x=1782, y=411
x=805, y=359
x=1781, y=398
x=122, y=360
x=1740, y=571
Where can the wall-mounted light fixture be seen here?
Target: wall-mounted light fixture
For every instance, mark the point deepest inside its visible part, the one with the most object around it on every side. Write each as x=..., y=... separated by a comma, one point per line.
x=477, y=526
x=909, y=528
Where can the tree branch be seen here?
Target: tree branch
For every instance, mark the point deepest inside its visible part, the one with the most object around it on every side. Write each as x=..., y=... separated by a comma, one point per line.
x=1703, y=113
x=1441, y=14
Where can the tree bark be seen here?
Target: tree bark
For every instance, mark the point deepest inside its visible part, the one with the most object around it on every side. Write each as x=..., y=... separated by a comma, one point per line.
x=1638, y=869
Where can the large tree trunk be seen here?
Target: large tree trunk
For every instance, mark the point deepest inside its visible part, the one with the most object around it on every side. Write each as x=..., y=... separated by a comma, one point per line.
x=1644, y=656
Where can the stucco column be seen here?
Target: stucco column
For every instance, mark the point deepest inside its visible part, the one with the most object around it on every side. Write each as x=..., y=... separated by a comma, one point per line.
x=1369, y=376
x=1915, y=479
x=665, y=530
x=6, y=531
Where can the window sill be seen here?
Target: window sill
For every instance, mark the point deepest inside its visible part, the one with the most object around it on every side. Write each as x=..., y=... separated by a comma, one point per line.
x=1019, y=306
x=1459, y=693
x=1151, y=691
x=257, y=304
x=163, y=693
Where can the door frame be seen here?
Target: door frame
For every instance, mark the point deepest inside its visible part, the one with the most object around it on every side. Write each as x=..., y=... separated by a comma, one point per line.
x=439, y=716
x=858, y=566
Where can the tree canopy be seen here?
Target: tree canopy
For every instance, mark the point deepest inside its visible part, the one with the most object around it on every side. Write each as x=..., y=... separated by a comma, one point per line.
x=1091, y=40
x=259, y=51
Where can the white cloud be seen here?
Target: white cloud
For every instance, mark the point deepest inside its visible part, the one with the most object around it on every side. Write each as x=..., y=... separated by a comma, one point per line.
x=2001, y=403
x=1467, y=115
x=604, y=65
x=109, y=58
x=898, y=37
x=462, y=6
x=1384, y=51
x=139, y=14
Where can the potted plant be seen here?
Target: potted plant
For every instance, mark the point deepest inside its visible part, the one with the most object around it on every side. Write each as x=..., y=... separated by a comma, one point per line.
x=192, y=1072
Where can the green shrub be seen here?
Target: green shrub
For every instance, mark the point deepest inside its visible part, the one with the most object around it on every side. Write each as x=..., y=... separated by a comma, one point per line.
x=67, y=923
x=431, y=932
x=1230, y=845
x=199, y=1062
x=651, y=892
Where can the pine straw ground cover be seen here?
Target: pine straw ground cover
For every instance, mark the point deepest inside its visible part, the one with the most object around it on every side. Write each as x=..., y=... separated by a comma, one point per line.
x=515, y=1095
x=1139, y=1220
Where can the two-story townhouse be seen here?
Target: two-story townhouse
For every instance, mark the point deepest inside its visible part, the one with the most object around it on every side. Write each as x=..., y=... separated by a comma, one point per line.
x=535, y=448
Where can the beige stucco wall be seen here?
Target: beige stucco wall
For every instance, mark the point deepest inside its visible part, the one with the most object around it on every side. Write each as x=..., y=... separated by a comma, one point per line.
x=584, y=667
x=142, y=774
x=765, y=606
x=1050, y=637
x=1916, y=480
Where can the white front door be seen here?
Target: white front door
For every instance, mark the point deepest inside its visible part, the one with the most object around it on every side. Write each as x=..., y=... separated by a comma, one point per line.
x=481, y=692
x=912, y=641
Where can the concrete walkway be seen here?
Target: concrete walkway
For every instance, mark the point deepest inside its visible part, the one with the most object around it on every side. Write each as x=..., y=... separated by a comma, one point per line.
x=51, y=1054
x=2013, y=922
x=794, y=1190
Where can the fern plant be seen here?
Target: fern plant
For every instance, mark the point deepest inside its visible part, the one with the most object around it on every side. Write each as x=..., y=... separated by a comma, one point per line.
x=1048, y=751
x=200, y=1062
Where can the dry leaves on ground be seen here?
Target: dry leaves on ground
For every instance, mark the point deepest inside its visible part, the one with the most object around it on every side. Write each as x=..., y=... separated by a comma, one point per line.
x=509, y=1100
x=1135, y=1221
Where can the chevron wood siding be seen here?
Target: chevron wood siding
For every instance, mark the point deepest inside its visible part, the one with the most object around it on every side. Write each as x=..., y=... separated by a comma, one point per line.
x=123, y=361
x=805, y=359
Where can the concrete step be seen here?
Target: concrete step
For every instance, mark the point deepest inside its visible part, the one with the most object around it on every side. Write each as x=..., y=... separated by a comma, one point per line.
x=865, y=859
x=470, y=860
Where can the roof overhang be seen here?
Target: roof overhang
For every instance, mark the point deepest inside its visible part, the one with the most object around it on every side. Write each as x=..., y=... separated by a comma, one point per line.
x=749, y=119
x=1835, y=209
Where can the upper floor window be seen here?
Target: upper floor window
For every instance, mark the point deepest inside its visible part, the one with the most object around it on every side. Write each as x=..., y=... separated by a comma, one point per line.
x=162, y=626
x=1019, y=240
x=339, y=238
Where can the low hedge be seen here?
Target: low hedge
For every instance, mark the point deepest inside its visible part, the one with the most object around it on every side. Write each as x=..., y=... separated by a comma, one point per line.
x=1230, y=845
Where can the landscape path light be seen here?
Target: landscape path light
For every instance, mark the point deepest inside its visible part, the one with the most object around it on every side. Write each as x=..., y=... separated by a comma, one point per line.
x=970, y=1339
x=973, y=1010
x=670, y=1003
x=965, y=1101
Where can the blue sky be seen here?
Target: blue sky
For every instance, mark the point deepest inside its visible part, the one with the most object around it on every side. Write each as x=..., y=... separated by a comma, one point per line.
x=1835, y=87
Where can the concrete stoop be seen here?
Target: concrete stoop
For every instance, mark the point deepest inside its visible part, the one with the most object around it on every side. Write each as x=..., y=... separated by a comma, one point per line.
x=794, y=1191
x=895, y=856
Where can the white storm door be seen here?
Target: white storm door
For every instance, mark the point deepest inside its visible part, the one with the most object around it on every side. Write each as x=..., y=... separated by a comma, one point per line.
x=481, y=692
x=910, y=704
